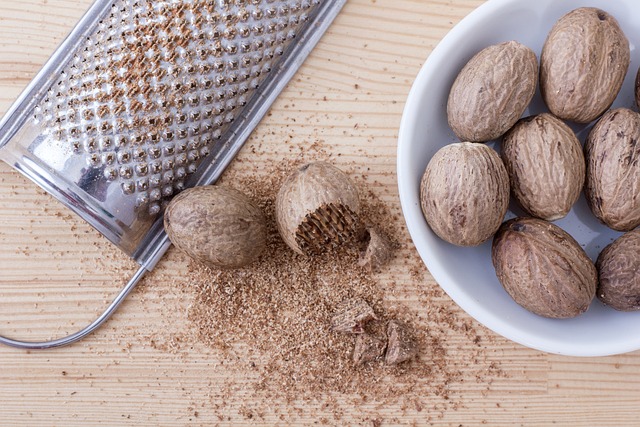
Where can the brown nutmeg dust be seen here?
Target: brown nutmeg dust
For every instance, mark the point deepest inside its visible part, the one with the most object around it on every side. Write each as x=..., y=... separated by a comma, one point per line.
x=270, y=322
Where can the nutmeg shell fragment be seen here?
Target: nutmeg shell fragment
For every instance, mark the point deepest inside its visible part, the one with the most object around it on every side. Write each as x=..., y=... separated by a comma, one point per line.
x=378, y=250
x=352, y=316
x=367, y=348
x=401, y=345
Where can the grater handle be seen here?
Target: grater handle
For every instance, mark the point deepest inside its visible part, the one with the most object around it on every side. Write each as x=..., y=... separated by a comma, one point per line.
x=69, y=339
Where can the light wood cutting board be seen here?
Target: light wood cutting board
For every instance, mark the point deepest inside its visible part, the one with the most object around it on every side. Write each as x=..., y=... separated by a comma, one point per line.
x=57, y=273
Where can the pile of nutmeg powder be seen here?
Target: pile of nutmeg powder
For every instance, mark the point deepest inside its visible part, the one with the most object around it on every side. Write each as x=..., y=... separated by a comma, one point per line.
x=270, y=323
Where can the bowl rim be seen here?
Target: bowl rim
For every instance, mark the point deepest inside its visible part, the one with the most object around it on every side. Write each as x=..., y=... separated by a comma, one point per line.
x=412, y=213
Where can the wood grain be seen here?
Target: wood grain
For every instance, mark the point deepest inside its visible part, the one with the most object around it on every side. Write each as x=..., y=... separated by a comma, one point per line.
x=58, y=273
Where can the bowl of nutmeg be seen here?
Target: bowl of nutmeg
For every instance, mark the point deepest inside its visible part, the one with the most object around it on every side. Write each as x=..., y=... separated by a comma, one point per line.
x=519, y=172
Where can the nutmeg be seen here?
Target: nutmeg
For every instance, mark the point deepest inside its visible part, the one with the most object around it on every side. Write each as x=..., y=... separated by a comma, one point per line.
x=612, y=152
x=218, y=226
x=464, y=193
x=619, y=273
x=546, y=165
x=637, y=88
x=543, y=268
x=492, y=91
x=583, y=64
x=318, y=208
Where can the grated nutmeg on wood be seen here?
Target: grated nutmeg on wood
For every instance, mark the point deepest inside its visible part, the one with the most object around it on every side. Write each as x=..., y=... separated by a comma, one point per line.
x=351, y=316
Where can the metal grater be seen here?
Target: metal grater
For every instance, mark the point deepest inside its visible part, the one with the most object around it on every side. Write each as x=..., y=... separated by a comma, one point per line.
x=146, y=98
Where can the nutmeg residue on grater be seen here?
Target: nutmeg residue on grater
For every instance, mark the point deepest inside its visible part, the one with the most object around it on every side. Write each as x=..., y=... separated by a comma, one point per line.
x=158, y=84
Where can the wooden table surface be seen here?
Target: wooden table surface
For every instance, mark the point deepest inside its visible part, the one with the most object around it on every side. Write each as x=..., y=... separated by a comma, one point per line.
x=57, y=273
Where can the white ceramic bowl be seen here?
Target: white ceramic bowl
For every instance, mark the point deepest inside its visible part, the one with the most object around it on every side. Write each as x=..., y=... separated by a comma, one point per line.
x=466, y=274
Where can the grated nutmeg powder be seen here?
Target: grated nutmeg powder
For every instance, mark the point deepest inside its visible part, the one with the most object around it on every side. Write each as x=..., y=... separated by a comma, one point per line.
x=270, y=322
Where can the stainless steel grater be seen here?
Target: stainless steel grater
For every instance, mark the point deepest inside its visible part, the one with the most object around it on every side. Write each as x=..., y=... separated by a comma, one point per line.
x=146, y=98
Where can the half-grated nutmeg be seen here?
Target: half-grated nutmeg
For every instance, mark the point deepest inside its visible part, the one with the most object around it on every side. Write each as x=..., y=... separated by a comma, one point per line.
x=330, y=225
x=317, y=208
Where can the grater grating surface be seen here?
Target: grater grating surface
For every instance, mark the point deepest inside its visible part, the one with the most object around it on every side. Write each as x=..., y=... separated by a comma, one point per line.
x=155, y=87
x=145, y=94
x=146, y=98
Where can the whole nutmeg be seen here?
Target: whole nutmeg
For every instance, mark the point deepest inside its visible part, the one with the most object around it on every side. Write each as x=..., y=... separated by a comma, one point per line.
x=543, y=268
x=317, y=208
x=612, y=153
x=492, y=91
x=583, y=64
x=619, y=273
x=464, y=193
x=218, y=226
x=546, y=165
